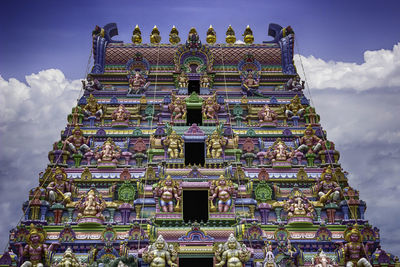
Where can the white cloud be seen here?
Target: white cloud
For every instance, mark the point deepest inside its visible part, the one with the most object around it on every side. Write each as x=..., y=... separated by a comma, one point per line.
x=238, y=41
x=381, y=68
x=32, y=114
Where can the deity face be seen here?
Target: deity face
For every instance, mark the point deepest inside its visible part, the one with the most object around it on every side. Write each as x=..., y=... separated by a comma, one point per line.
x=77, y=132
x=222, y=182
x=354, y=237
x=328, y=177
x=159, y=245
x=58, y=177
x=35, y=238
x=231, y=245
x=168, y=182
x=308, y=132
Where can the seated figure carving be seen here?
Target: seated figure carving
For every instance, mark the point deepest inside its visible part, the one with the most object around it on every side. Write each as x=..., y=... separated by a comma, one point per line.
x=90, y=206
x=93, y=108
x=137, y=83
x=294, y=108
x=120, y=116
x=109, y=153
x=267, y=116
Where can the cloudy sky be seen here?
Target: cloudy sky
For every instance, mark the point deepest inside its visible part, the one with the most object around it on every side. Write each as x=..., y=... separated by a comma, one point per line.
x=349, y=49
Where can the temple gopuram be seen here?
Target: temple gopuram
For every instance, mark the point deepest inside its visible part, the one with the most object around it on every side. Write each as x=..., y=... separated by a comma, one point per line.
x=186, y=153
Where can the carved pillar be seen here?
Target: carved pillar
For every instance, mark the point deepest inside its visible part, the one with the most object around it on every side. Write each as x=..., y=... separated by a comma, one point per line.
x=112, y=212
x=43, y=211
x=264, y=208
x=318, y=211
x=70, y=214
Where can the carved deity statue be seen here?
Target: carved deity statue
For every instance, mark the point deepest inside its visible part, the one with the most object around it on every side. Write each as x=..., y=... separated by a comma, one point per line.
x=160, y=254
x=223, y=190
x=328, y=189
x=309, y=142
x=60, y=189
x=168, y=190
x=215, y=144
x=76, y=142
x=35, y=249
x=269, y=260
x=354, y=250
x=210, y=108
x=250, y=82
x=121, y=114
x=69, y=259
x=322, y=260
x=232, y=253
x=266, y=114
x=279, y=151
x=183, y=80
x=109, y=152
x=294, y=84
x=177, y=108
x=91, y=205
x=91, y=84
x=298, y=205
x=175, y=145
x=137, y=83
x=205, y=81
x=93, y=108
x=294, y=108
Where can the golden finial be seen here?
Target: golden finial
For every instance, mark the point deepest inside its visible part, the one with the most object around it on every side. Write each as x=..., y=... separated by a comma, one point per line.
x=137, y=35
x=211, y=35
x=174, y=36
x=155, y=37
x=191, y=32
x=248, y=35
x=230, y=35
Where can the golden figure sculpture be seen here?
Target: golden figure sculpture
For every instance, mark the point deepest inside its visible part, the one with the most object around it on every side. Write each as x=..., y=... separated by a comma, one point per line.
x=160, y=254
x=155, y=37
x=174, y=36
x=211, y=35
x=175, y=145
x=248, y=35
x=183, y=80
x=91, y=205
x=93, y=108
x=69, y=259
x=137, y=35
x=294, y=108
x=215, y=143
x=231, y=253
x=205, y=81
x=230, y=35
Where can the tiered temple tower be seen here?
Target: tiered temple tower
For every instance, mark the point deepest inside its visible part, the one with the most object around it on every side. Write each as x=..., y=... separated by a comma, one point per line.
x=194, y=153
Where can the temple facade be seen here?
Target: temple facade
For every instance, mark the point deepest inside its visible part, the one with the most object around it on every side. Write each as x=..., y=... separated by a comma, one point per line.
x=184, y=153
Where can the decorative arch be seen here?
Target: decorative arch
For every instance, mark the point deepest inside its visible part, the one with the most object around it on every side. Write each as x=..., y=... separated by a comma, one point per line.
x=138, y=63
x=202, y=58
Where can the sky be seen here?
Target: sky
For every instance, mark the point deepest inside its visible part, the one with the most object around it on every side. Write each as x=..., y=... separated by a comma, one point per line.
x=350, y=52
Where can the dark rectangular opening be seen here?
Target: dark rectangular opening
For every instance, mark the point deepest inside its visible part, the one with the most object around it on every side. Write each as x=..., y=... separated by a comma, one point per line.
x=194, y=154
x=193, y=116
x=194, y=86
x=194, y=262
x=195, y=205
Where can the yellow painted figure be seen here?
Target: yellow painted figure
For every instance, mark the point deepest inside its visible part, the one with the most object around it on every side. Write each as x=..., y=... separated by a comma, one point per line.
x=175, y=145
x=232, y=254
x=215, y=143
x=159, y=254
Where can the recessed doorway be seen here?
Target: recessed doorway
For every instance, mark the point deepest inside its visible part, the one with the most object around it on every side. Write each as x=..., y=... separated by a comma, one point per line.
x=194, y=262
x=195, y=205
x=193, y=116
x=194, y=86
x=194, y=154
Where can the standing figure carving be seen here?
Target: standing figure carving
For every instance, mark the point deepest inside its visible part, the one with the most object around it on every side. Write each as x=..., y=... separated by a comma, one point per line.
x=223, y=190
x=232, y=253
x=177, y=108
x=160, y=254
x=210, y=108
x=355, y=253
x=175, y=145
x=183, y=81
x=215, y=144
x=168, y=190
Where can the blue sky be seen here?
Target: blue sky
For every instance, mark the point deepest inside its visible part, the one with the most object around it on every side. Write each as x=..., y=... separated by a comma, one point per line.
x=56, y=34
x=350, y=51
